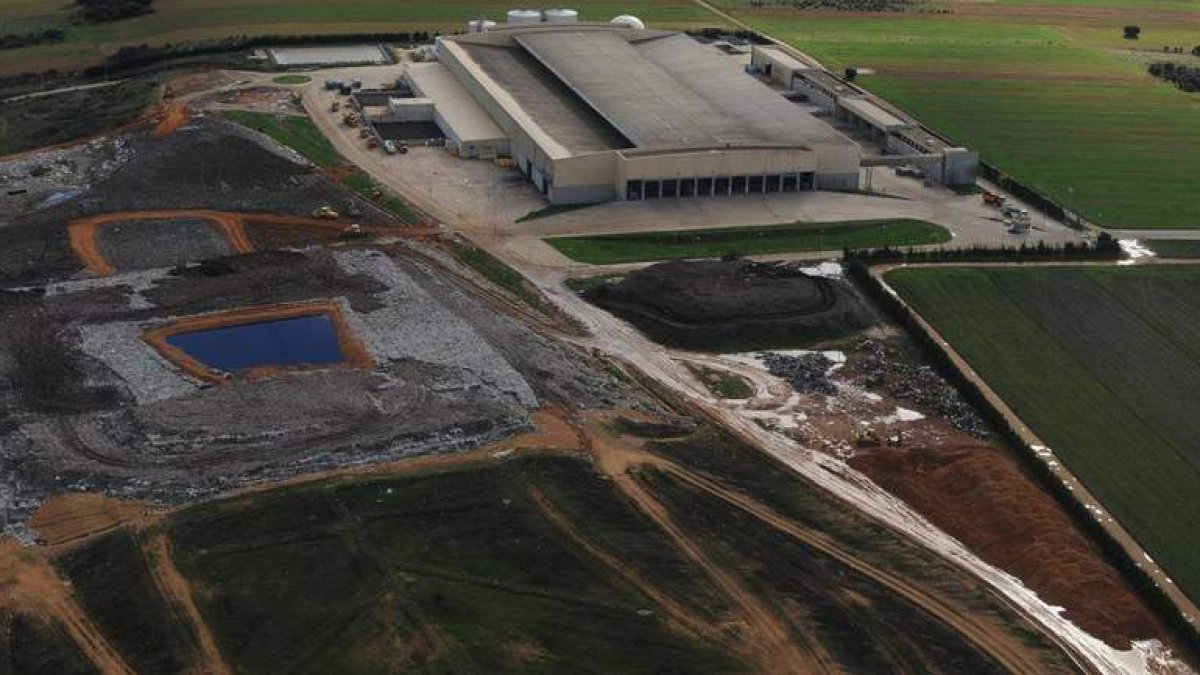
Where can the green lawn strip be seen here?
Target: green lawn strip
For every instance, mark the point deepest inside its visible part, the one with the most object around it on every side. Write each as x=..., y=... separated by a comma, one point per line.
x=295, y=131
x=300, y=134
x=292, y=79
x=788, y=238
x=1175, y=248
x=499, y=273
x=1058, y=366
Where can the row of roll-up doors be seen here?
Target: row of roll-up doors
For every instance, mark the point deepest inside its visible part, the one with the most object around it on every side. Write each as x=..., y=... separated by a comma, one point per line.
x=717, y=186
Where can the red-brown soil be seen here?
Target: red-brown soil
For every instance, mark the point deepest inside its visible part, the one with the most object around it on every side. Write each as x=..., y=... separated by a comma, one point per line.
x=981, y=497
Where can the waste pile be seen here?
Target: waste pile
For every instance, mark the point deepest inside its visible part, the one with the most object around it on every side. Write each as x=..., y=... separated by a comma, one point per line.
x=917, y=385
x=807, y=373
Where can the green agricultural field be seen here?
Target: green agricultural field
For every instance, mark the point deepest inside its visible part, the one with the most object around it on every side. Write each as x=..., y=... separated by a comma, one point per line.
x=612, y=249
x=1104, y=364
x=177, y=21
x=1175, y=248
x=1050, y=94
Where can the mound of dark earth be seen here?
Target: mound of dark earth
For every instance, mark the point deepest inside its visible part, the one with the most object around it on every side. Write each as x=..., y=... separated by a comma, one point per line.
x=733, y=305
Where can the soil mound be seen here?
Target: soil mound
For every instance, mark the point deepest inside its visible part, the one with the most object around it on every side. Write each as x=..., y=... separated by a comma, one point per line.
x=984, y=500
x=733, y=304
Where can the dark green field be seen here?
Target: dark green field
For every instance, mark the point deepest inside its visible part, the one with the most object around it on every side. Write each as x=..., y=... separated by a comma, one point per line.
x=534, y=564
x=612, y=249
x=1175, y=248
x=1104, y=364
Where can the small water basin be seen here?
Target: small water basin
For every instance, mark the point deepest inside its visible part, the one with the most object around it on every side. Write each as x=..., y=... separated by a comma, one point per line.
x=296, y=341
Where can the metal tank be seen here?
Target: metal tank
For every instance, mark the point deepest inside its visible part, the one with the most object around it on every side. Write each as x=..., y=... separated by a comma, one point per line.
x=561, y=15
x=628, y=21
x=524, y=16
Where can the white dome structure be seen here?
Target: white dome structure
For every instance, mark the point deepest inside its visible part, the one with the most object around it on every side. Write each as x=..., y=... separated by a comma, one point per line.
x=561, y=16
x=628, y=21
x=524, y=16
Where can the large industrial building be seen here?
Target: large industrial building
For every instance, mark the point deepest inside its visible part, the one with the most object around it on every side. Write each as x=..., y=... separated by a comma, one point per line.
x=593, y=112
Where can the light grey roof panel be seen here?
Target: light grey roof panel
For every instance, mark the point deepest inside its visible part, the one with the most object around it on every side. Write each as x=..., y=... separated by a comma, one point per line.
x=638, y=97
x=720, y=81
x=557, y=110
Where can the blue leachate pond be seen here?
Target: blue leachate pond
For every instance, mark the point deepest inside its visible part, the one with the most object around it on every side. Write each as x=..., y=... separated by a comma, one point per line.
x=304, y=340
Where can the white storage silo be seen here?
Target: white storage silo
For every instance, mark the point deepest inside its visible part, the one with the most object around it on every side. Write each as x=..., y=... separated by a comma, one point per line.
x=561, y=15
x=628, y=21
x=524, y=16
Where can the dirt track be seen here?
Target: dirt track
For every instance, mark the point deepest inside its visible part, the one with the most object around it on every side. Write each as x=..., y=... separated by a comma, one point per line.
x=29, y=584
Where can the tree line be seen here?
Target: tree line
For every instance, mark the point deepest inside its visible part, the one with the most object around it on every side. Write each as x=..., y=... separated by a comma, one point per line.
x=1183, y=76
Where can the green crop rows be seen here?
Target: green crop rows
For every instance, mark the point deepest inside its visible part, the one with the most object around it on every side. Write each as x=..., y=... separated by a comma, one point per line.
x=1104, y=364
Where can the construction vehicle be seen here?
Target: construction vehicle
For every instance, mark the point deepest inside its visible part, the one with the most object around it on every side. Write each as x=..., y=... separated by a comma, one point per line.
x=325, y=212
x=992, y=199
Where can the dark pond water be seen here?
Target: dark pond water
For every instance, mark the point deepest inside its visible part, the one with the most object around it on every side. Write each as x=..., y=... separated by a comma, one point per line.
x=286, y=342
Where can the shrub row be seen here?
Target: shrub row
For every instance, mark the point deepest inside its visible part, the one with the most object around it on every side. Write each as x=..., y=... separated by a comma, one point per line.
x=41, y=37
x=858, y=269
x=1105, y=248
x=1183, y=76
x=103, y=11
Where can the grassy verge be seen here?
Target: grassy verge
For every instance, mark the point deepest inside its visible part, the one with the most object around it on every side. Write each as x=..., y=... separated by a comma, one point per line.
x=612, y=249
x=296, y=132
x=1056, y=345
x=496, y=271
x=723, y=383
x=1175, y=248
x=552, y=209
x=300, y=134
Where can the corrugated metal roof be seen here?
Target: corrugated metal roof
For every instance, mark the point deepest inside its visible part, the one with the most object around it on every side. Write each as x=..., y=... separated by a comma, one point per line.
x=636, y=96
x=672, y=92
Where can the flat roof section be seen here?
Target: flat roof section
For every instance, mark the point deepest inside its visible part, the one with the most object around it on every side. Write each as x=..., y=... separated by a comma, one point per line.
x=460, y=111
x=637, y=97
x=548, y=103
x=873, y=114
x=783, y=58
x=760, y=111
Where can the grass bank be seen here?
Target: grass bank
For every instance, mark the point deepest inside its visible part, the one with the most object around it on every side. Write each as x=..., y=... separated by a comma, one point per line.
x=300, y=134
x=612, y=249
